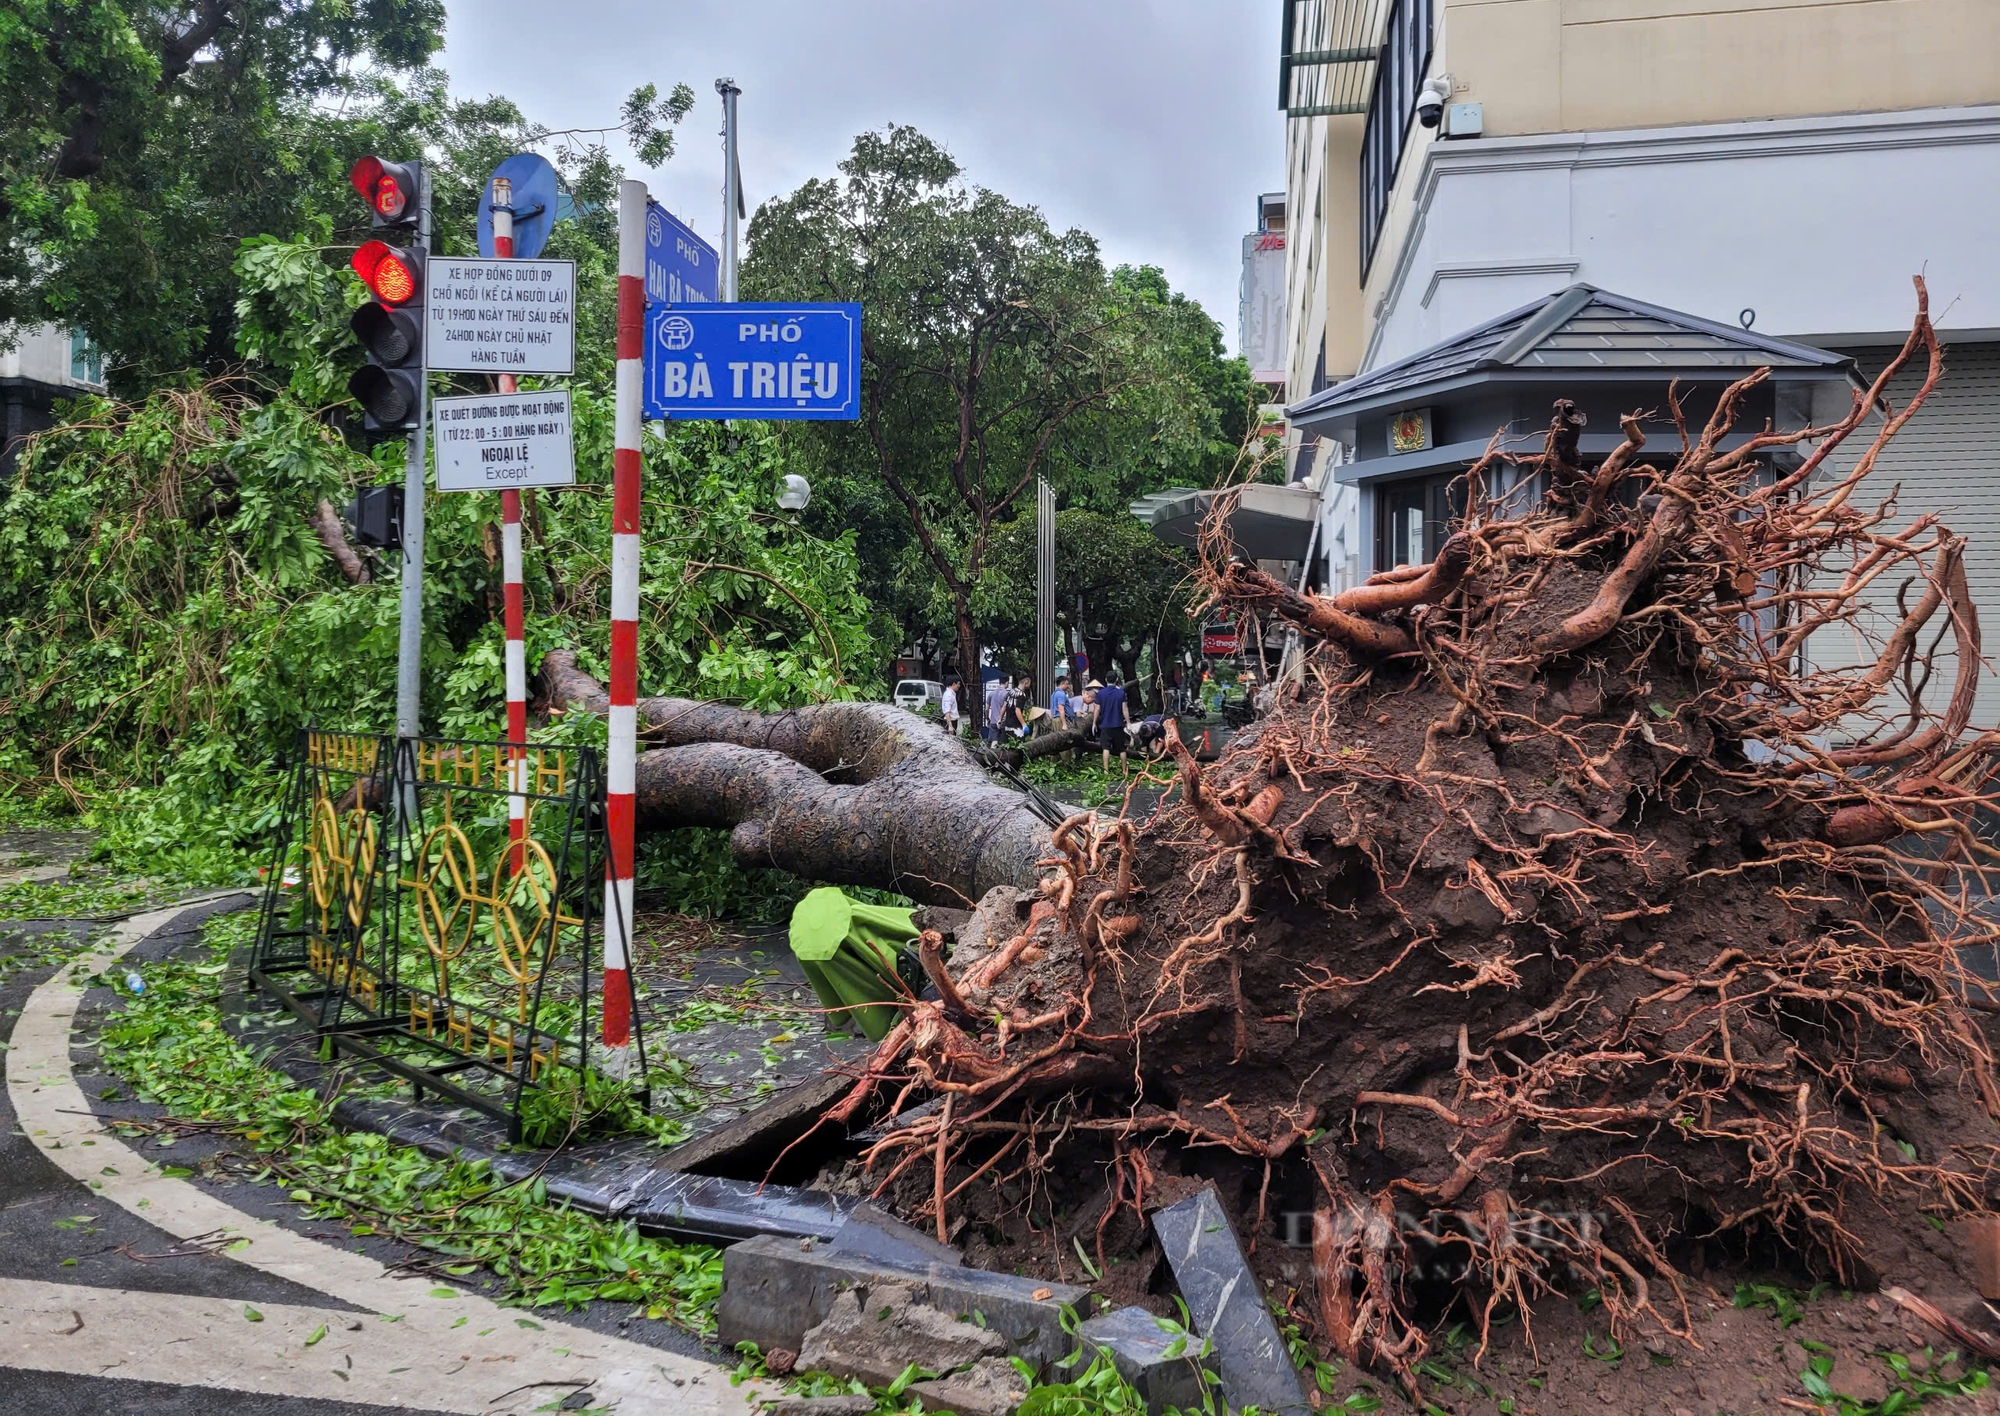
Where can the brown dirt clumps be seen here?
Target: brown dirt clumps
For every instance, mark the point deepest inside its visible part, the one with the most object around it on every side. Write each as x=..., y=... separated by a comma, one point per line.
x=1556, y=931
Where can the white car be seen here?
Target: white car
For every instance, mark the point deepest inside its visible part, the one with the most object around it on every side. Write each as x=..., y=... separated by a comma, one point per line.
x=913, y=694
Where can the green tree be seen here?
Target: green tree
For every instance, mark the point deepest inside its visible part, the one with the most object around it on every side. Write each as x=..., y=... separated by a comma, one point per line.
x=995, y=349
x=1118, y=588
x=140, y=140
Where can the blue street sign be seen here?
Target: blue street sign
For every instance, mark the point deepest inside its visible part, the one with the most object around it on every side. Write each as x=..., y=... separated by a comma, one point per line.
x=535, y=198
x=681, y=268
x=753, y=361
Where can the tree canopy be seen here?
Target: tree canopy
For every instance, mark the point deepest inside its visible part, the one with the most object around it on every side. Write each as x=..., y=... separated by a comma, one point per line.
x=996, y=350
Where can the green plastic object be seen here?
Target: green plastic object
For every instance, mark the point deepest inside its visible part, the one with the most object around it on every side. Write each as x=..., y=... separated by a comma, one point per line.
x=849, y=953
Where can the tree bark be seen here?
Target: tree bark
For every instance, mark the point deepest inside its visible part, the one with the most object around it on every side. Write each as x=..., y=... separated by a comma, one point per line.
x=852, y=793
x=326, y=523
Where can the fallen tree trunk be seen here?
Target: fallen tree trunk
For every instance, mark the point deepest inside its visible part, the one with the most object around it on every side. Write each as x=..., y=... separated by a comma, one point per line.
x=852, y=793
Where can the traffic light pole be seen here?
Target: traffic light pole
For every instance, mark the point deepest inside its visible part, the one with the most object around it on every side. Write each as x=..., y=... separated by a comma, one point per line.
x=410, y=638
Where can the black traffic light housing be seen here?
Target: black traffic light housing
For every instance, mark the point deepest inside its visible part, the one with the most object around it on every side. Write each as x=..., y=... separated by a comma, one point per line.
x=391, y=330
x=376, y=514
x=393, y=191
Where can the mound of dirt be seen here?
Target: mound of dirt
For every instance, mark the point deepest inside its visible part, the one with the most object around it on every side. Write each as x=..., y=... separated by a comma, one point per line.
x=1559, y=929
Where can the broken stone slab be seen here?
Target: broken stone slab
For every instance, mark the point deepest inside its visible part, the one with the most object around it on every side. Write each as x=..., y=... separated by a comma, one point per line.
x=748, y=1145
x=1146, y=1357
x=989, y=1387
x=872, y=1234
x=878, y=1333
x=824, y=1406
x=1226, y=1305
x=775, y=1289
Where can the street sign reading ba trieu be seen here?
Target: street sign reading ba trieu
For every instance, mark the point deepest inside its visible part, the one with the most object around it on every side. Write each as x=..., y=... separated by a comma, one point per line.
x=754, y=361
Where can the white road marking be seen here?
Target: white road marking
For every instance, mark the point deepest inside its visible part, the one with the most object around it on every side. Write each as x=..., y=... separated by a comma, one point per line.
x=51, y=1109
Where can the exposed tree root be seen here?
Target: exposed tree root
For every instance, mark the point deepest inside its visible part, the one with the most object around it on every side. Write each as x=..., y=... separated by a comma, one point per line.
x=1566, y=918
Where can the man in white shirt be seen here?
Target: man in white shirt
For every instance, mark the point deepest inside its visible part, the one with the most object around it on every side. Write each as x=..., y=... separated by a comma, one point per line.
x=949, y=709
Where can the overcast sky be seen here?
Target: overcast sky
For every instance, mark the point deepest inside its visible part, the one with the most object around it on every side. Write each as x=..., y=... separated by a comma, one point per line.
x=1152, y=124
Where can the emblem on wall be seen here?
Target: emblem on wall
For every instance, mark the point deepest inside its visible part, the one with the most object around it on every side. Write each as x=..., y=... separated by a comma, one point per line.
x=1410, y=430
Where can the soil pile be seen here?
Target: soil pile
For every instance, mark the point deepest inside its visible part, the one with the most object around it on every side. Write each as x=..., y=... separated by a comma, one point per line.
x=1558, y=929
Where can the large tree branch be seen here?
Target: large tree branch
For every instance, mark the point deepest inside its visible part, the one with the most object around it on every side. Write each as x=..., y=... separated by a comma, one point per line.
x=326, y=523
x=854, y=793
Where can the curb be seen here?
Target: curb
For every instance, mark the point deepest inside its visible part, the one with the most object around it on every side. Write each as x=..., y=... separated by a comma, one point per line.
x=622, y=1180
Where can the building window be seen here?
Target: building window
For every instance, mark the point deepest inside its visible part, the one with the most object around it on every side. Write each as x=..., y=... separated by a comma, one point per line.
x=86, y=360
x=1399, y=73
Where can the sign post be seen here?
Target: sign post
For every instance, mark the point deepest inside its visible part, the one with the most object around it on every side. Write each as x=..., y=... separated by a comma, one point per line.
x=516, y=318
x=754, y=361
x=500, y=316
x=500, y=442
x=621, y=752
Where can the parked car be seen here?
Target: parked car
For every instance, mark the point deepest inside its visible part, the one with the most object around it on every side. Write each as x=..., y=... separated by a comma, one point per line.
x=916, y=694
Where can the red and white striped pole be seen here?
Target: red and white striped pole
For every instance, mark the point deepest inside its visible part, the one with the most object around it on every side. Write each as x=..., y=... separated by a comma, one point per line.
x=510, y=585
x=623, y=746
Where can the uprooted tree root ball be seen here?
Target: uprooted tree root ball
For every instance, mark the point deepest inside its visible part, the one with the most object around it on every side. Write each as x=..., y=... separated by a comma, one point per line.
x=1567, y=917
x=1560, y=920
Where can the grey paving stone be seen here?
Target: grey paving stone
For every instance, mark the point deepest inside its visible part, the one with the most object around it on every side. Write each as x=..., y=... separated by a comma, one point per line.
x=1226, y=1305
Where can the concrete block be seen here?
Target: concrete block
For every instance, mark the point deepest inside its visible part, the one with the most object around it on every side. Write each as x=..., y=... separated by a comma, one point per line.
x=1138, y=1346
x=775, y=1289
x=990, y=1387
x=824, y=1406
x=873, y=1235
x=880, y=1338
x=1226, y=1304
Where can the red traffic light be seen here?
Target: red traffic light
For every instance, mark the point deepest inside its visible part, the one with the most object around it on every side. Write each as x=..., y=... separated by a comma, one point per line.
x=394, y=276
x=389, y=188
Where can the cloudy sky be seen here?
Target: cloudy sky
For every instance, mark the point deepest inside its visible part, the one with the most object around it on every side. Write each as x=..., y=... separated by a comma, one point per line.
x=1151, y=123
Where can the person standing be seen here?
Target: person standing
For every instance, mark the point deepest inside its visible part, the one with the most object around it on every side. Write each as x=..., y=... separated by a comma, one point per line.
x=1060, y=705
x=1107, y=719
x=1014, y=712
x=948, y=709
x=996, y=708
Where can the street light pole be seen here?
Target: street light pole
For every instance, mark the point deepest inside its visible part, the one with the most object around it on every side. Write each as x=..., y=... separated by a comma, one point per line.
x=732, y=187
x=1045, y=591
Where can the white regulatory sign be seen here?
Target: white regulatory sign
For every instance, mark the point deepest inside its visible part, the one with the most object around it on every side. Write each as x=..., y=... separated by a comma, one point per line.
x=500, y=317
x=501, y=440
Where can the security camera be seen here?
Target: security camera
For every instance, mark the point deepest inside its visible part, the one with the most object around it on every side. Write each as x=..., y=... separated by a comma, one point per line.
x=1431, y=99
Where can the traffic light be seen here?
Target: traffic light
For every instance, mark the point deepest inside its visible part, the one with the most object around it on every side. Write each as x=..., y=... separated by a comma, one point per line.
x=391, y=330
x=391, y=189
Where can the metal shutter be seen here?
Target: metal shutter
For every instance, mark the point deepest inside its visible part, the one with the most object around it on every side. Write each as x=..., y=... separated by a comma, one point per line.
x=1948, y=461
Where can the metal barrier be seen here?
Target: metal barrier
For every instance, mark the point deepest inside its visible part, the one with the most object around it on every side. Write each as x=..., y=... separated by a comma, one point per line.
x=419, y=938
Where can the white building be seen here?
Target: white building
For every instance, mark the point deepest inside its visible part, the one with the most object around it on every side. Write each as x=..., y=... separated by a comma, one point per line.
x=45, y=363
x=1783, y=166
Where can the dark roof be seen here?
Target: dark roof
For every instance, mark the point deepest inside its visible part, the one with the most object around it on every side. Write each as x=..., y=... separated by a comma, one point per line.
x=1578, y=330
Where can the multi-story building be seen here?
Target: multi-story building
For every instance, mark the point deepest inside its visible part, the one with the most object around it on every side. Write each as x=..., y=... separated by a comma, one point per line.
x=42, y=365
x=1780, y=167
x=1260, y=297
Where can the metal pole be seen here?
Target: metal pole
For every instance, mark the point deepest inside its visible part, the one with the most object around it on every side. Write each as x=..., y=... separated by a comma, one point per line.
x=513, y=602
x=410, y=637
x=621, y=752
x=732, y=187
x=1045, y=591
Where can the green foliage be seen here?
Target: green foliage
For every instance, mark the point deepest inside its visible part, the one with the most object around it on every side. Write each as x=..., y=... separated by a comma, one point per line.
x=169, y=615
x=1783, y=1302
x=169, y=1045
x=139, y=138
x=996, y=350
x=1133, y=588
